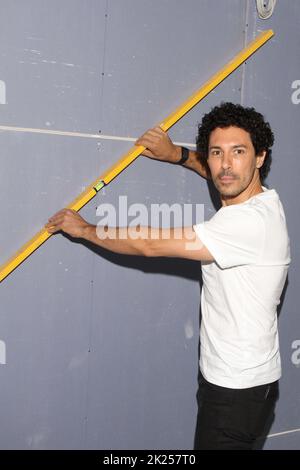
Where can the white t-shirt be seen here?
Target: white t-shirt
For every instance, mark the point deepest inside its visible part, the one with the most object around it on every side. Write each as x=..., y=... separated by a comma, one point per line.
x=241, y=291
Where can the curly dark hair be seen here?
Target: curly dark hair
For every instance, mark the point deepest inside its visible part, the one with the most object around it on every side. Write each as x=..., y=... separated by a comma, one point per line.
x=230, y=114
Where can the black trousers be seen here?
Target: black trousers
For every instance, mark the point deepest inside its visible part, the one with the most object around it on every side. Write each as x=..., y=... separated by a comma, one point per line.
x=233, y=418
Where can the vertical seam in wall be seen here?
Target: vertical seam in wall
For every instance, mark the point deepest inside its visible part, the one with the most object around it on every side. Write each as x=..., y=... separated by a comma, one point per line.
x=246, y=26
x=103, y=62
x=93, y=256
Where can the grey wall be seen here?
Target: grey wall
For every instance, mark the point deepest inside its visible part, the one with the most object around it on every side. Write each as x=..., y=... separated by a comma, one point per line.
x=100, y=351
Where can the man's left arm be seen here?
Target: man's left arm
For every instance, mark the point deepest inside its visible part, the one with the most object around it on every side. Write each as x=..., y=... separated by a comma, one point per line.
x=179, y=242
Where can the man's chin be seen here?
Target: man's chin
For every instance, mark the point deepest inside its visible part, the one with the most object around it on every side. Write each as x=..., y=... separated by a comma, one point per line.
x=229, y=191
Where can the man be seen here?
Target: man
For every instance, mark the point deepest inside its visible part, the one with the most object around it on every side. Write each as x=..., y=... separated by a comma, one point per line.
x=244, y=253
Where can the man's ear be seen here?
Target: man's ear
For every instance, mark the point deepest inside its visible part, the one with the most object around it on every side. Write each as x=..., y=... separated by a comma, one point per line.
x=260, y=158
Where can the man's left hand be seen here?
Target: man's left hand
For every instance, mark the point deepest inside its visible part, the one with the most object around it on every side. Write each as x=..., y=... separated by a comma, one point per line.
x=69, y=221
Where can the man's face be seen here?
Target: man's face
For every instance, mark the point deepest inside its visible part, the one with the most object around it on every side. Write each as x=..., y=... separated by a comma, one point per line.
x=232, y=160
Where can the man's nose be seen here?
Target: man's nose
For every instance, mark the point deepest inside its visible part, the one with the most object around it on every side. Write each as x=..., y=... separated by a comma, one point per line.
x=226, y=161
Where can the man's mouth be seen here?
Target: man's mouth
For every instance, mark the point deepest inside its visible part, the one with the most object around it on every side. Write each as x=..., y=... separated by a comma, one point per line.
x=227, y=179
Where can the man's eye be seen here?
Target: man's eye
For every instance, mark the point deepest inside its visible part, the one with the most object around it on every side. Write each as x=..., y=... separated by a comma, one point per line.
x=239, y=151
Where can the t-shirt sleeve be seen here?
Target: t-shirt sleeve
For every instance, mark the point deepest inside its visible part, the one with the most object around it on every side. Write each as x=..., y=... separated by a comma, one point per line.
x=234, y=236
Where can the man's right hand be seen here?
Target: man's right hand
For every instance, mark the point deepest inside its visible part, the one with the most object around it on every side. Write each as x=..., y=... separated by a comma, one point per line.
x=159, y=146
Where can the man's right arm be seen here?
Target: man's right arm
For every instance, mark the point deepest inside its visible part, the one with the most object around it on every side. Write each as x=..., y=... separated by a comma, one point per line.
x=160, y=147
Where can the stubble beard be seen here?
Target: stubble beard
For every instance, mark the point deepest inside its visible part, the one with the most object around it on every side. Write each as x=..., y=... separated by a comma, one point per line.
x=232, y=189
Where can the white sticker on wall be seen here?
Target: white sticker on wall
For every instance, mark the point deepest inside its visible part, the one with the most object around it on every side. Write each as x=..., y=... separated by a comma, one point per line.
x=2, y=92
x=2, y=352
